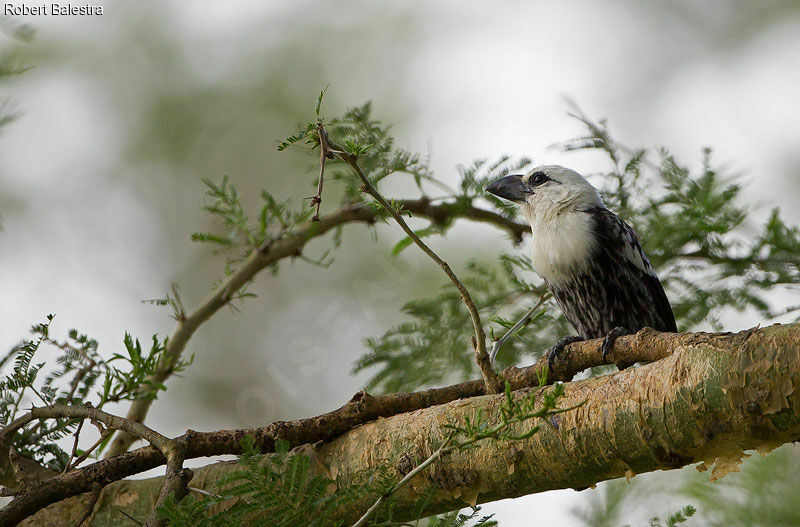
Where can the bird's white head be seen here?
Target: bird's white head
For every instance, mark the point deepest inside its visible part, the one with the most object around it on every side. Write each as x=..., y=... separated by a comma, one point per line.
x=547, y=191
x=553, y=199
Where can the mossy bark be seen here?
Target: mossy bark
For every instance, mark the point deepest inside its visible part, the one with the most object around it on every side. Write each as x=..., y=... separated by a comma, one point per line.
x=713, y=397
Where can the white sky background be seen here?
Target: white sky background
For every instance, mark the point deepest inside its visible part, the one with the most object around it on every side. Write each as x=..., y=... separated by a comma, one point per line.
x=480, y=79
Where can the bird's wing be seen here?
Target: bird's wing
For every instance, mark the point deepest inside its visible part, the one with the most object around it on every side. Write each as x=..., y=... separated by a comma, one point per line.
x=620, y=244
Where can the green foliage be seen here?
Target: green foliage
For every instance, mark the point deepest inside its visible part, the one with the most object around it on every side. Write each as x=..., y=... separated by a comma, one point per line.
x=460, y=519
x=378, y=155
x=308, y=134
x=370, y=141
x=277, y=490
x=362, y=136
x=450, y=519
x=12, y=63
x=79, y=375
x=674, y=519
x=511, y=413
x=275, y=218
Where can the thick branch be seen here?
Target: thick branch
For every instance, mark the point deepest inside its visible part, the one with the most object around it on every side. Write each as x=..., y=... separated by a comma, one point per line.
x=715, y=396
x=363, y=408
x=290, y=246
x=172, y=450
x=647, y=345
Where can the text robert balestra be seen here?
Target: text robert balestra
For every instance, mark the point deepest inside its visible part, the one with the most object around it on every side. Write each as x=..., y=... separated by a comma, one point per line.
x=52, y=9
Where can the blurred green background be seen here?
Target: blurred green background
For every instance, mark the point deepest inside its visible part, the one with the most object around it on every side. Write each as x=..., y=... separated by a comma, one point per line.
x=123, y=114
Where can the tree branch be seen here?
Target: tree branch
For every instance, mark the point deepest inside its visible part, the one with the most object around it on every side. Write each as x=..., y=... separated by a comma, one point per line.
x=713, y=397
x=171, y=449
x=288, y=247
x=646, y=345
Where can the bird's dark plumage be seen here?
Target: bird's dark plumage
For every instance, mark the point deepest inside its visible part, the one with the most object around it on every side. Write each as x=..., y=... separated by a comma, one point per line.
x=617, y=287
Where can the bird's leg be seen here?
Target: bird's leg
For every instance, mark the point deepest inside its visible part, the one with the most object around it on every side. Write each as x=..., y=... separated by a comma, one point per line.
x=608, y=340
x=558, y=348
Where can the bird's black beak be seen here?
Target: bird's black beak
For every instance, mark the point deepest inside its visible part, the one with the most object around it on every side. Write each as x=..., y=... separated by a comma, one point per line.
x=511, y=188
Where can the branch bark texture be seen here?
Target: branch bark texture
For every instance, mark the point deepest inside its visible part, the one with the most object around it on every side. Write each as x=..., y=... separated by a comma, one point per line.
x=712, y=397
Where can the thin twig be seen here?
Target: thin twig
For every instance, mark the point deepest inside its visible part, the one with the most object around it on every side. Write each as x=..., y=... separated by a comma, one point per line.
x=74, y=448
x=316, y=200
x=203, y=492
x=131, y=518
x=408, y=477
x=80, y=459
x=524, y=321
x=493, y=382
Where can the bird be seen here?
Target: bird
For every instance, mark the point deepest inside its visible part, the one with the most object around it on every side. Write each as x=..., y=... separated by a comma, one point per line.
x=589, y=258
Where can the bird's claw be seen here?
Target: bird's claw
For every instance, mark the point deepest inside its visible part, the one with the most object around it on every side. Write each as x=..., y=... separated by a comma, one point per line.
x=554, y=352
x=608, y=340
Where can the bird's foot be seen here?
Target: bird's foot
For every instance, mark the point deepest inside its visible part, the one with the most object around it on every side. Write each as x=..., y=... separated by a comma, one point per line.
x=554, y=352
x=608, y=341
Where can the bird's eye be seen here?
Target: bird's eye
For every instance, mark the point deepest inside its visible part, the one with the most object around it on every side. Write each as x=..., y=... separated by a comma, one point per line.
x=538, y=178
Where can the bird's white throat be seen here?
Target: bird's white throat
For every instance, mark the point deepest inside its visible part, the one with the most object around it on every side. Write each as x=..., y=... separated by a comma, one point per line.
x=561, y=244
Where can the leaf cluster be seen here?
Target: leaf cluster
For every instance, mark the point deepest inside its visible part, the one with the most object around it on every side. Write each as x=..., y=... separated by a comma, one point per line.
x=79, y=375
x=368, y=139
x=275, y=489
x=274, y=219
x=512, y=412
x=280, y=489
x=674, y=519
